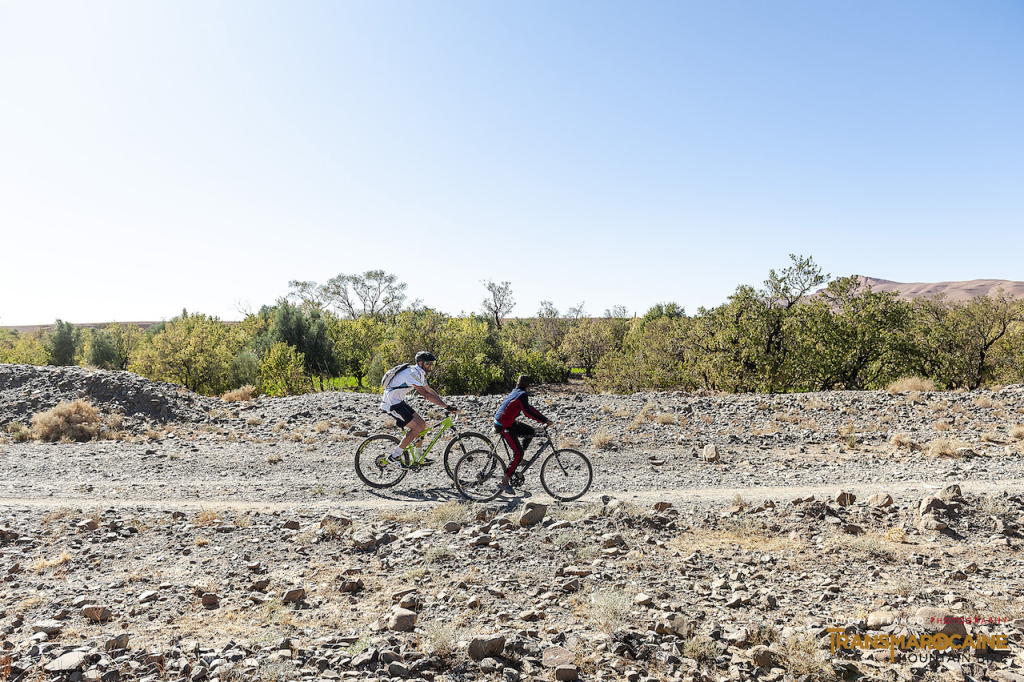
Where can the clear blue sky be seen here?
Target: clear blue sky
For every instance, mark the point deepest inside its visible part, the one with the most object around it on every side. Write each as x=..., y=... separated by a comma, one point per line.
x=156, y=156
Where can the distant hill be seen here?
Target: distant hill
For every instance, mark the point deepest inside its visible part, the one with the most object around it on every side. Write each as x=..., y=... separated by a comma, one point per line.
x=47, y=328
x=954, y=291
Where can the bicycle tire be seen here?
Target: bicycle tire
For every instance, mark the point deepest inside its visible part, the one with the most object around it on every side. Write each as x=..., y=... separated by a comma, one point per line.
x=566, y=475
x=462, y=445
x=478, y=474
x=371, y=465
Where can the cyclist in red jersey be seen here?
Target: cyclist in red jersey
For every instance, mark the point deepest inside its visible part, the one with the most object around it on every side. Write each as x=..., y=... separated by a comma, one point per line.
x=505, y=423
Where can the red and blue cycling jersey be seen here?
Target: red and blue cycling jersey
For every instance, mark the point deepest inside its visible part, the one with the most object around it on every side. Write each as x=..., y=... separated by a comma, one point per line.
x=515, y=404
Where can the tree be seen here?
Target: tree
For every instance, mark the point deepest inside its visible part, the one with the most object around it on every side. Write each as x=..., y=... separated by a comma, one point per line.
x=851, y=337
x=281, y=370
x=671, y=310
x=499, y=302
x=587, y=342
x=127, y=339
x=22, y=349
x=357, y=343
x=372, y=293
x=101, y=350
x=956, y=338
x=307, y=334
x=63, y=343
x=192, y=350
x=617, y=312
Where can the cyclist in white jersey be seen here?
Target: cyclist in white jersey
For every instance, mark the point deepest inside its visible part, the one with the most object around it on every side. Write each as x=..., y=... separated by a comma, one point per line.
x=412, y=378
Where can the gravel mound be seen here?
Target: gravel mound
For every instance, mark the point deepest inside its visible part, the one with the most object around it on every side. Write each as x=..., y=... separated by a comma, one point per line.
x=28, y=389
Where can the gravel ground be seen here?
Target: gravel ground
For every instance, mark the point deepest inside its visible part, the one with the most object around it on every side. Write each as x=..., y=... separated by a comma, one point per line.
x=713, y=544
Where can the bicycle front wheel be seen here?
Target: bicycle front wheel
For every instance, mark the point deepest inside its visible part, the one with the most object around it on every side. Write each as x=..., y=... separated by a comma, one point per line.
x=462, y=445
x=478, y=475
x=566, y=475
x=372, y=465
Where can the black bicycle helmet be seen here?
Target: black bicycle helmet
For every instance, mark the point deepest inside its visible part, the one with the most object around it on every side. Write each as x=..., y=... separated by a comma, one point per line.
x=425, y=356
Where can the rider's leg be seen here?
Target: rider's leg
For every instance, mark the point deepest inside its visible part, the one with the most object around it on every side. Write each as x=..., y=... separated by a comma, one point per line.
x=517, y=454
x=413, y=429
x=526, y=432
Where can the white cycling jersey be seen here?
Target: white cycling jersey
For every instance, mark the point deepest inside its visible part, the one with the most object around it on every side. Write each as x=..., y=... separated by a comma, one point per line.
x=401, y=384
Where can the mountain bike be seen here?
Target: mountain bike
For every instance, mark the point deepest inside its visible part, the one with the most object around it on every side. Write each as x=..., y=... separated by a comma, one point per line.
x=375, y=471
x=565, y=474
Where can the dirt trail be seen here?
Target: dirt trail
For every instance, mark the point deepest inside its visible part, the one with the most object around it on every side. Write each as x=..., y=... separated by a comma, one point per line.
x=676, y=496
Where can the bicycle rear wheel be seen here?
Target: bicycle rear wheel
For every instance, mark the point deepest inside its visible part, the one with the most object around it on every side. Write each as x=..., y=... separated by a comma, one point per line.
x=464, y=444
x=478, y=474
x=566, y=475
x=372, y=465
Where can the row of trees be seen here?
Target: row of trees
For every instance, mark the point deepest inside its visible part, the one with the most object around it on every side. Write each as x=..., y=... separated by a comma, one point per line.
x=780, y=337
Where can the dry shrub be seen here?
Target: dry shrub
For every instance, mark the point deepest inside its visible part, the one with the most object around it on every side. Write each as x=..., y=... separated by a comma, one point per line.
x=206, y=517
x=991, y=437
x=902, y=440
x=942, y=425
x=18, y=433
x=602, y=440
x=983, y=401
x=805, y=660
x=666, y=418
x=815, y=404
x=274, y=458
x=40, y=564
x=945, y=447
x=323, y=427
x=1017, y=432
x=254, y=421
x=847, y=429
x=76, y=421
x=911, y=384
x=243, y=394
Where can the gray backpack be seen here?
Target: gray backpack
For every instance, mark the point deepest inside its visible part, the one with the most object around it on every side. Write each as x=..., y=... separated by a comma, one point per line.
x=385, y=382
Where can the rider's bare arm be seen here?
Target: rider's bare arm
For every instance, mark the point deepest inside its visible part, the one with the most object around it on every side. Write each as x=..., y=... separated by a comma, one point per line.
x=431, y=395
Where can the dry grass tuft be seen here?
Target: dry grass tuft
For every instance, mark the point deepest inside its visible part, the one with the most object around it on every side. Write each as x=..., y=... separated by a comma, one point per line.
x=991, y=437
x=18, y=433
x=323, y=427
x=666, y=418
x=945, y=447
x=602, y=440
x=983, y=401
x=943, y=425
x=902, y=440
x=243, y=394
x=56, y=515
x=254, y=421
x=1017, y=432
x=805, y=660
x=75, y=421
x=274, y=458
x=911, y=384
x=607, y=609
x=41, y=564
x=207, y=517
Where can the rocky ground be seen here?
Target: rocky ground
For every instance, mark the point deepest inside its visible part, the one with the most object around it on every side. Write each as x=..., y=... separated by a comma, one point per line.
x=722, y=536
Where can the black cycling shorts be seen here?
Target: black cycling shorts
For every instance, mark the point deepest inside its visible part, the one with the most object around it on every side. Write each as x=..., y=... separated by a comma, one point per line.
x=402, y=413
